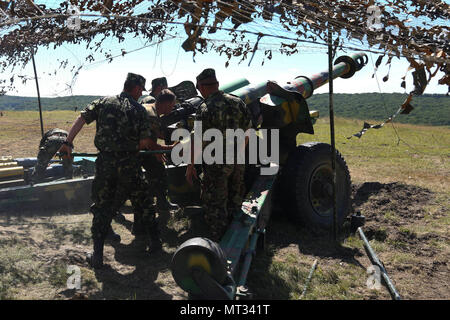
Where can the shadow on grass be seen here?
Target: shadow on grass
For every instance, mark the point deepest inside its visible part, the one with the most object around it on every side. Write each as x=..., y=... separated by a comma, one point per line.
x=273, y=278
x=178, y=227
x=318, y=243
x=269, y=279
x=137, y=285
x=175, y=228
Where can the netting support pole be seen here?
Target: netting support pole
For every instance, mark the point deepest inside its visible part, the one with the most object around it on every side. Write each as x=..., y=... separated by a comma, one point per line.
x=333, y=146
x=38, y=94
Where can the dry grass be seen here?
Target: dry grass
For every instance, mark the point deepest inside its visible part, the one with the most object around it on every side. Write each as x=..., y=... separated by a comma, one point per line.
x=21, y=131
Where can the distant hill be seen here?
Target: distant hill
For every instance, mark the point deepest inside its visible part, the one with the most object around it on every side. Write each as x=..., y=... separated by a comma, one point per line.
x=429, y=109
x=48, y=104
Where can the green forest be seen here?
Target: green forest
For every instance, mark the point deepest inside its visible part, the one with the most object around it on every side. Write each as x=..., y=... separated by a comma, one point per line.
x=48, y=104
x=429, y=109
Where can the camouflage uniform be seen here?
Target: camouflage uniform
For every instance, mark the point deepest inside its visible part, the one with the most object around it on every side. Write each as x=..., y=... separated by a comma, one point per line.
x=222, y=184
x=48, y=146
x=154, y=181
x=155, y=171
x=121, y=123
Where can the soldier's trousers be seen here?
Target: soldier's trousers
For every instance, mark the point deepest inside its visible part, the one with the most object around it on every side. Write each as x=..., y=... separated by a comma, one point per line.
x=223, y=190
x=117, y=178
x=156, y=175
x=47, y=150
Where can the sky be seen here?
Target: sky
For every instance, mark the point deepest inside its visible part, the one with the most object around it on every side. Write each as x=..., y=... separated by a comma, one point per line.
x=170, y=60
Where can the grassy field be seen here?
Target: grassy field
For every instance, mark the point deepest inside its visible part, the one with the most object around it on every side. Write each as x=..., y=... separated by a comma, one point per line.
x=400, y=178
x=410, y=154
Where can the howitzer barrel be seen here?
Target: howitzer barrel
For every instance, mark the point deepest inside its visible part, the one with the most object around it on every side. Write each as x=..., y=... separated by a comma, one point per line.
x=234, y=85
x=345, y=67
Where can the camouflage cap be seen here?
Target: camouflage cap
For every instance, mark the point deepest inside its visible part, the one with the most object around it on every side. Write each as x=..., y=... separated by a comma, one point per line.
x=137, y=79
x=159, y=82
x=207, y=74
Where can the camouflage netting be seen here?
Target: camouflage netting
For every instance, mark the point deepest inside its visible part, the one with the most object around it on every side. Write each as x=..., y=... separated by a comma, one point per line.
x=416, y=30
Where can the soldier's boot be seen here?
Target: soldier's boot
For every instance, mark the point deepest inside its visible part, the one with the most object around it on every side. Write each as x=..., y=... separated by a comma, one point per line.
x=95, y=258
x=112, y=236
x=155, y=239
x=155, y=244
x=137, y=229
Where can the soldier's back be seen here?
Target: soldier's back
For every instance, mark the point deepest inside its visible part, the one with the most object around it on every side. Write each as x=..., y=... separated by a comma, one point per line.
x=226, y=111
x=120, y=121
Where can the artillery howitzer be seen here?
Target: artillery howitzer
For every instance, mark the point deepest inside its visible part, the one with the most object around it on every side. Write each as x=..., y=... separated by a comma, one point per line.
x=302, y=188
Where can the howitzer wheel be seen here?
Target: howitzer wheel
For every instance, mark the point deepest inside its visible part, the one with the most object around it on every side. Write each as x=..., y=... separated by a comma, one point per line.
x=198, y=253
x=308, y=181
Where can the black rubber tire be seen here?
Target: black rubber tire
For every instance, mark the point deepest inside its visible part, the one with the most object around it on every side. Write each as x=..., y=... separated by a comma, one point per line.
x=208, y=255
x=307, y=185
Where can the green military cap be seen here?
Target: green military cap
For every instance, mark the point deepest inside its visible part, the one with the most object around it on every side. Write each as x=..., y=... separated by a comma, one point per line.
x=207, y=74
x=137, y=79
x=159, y=82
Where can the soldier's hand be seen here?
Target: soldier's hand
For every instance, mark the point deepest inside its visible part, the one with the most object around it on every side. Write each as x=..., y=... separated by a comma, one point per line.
x=191, y=172
x=66, y=150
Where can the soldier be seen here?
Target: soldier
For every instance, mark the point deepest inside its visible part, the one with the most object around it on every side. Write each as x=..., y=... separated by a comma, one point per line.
x=123, y=127
x=155, y=173
x=158, y=85
x=157, y=176
x=50, y=143
x=222, y=184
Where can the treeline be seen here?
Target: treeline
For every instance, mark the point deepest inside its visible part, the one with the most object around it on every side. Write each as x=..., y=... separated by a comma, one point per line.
x=48, y=104
x=429, y=109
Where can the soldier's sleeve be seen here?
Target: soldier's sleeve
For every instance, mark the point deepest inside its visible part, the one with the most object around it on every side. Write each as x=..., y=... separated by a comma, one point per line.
x=214, y=118
x=246, y=116
x=155, y=127
x=146, y=128
x=199, y=114
x=91, y=112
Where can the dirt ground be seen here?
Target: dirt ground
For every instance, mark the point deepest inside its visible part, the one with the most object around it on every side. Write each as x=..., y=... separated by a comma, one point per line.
x=398, y=220
x=406, y=226
x=399, y=216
